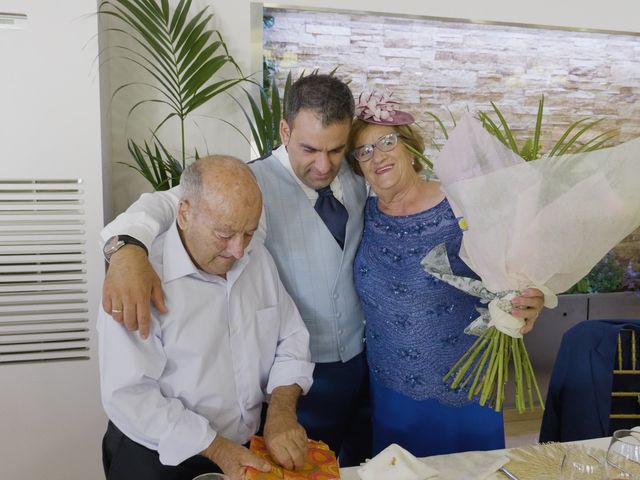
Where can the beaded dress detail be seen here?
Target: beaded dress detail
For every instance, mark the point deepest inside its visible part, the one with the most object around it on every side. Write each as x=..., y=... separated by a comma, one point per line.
x=415, y=322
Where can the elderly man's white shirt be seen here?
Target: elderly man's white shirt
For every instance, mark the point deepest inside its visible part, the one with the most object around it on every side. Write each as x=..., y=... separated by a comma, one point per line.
x=210, y=362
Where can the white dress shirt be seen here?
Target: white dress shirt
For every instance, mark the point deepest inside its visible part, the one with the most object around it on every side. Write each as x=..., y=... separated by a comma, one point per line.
x=211, y=361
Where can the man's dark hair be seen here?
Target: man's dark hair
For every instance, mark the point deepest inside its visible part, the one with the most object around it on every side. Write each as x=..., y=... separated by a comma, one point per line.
x=329, y=98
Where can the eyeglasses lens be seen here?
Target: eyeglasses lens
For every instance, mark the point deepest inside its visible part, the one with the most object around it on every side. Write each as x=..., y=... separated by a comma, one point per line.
x=384, y=144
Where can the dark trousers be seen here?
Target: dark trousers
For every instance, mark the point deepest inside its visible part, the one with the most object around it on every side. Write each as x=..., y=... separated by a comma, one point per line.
x=124, y=459
x=337, y=409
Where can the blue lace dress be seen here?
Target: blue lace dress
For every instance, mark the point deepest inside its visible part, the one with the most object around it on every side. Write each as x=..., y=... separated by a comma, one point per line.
x=414, y=334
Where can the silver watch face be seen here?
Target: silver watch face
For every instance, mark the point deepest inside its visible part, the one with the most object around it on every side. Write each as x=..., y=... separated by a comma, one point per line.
x=112, y=246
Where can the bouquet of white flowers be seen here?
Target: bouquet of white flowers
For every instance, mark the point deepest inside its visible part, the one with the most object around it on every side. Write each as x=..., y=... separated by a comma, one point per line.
x=541, y=224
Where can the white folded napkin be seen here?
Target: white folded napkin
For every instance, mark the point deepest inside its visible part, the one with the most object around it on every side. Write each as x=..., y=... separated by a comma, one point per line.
x=468, y=465
x=394, y=462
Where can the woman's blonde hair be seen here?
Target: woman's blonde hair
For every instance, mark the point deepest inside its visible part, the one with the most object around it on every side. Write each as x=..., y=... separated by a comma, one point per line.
x=410, y=136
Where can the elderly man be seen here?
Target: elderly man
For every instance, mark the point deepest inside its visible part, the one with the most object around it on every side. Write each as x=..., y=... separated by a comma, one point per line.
x=186, y=400
x=312, y=225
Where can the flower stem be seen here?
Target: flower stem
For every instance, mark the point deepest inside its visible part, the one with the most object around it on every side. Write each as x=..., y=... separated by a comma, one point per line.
x=484, y=370
x=453, y=369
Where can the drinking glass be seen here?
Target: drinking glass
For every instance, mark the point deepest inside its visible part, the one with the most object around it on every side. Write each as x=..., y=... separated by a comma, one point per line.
x=212, y=476
x=580, y=463
x=623, y=456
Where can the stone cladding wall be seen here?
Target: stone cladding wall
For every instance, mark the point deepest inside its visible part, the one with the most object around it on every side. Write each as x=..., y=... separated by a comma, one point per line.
x=444, y=66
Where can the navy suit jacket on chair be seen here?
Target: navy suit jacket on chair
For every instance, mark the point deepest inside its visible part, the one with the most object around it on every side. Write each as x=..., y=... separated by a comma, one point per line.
x=579, y=398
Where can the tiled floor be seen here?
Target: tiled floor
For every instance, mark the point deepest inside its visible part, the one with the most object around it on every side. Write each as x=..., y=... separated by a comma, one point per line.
x=521, y=429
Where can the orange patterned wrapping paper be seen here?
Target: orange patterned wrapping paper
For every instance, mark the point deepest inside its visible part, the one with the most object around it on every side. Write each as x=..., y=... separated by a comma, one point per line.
x=321, y=464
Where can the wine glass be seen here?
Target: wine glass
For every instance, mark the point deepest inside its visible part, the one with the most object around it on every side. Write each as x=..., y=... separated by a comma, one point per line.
x=623, y=456
x=212, y=476
x=580, y=463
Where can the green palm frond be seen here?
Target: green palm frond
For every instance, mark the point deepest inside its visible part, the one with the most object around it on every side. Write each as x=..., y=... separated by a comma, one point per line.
x=155, y=163
x=179, y=53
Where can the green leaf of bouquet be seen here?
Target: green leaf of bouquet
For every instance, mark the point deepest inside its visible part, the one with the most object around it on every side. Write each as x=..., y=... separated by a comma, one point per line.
x=598, y=142
x=573, y=140
x=559, y=144
x=440, y=124
x=527, y=151
x=535, y=148
x=507, y=131
x=492, y=128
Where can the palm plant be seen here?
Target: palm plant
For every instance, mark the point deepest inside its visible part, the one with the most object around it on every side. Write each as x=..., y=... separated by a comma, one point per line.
x=155, y=163
x=265, y=113
x=182, y=58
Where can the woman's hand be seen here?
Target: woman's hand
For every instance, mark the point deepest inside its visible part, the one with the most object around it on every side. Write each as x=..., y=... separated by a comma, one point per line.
x=528, y=307
x=130, y=285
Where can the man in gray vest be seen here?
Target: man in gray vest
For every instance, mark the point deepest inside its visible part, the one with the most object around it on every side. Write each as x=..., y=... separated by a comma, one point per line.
x=311, y=224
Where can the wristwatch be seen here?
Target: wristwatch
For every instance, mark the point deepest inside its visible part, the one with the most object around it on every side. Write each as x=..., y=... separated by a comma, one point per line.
x=116, y=242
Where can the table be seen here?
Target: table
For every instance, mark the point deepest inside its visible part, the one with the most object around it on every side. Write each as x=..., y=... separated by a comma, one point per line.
x=351, y=473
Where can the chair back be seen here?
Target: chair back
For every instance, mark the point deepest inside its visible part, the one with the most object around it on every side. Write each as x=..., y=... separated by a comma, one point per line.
x=625, y=390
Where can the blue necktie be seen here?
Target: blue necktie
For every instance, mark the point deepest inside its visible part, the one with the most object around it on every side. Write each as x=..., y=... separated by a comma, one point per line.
x=332, y=213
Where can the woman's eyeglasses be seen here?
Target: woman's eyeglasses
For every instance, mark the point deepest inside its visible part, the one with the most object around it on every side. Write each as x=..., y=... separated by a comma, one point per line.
x=386, y=143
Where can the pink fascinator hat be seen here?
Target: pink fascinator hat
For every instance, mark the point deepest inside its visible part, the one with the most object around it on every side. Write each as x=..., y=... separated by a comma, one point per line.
x=380, y=108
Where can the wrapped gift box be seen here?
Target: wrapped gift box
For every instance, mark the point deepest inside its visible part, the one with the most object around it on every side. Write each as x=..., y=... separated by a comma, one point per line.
x=321, y=464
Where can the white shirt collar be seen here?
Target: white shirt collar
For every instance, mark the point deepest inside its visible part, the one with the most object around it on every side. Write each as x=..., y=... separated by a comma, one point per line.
x=176, y=262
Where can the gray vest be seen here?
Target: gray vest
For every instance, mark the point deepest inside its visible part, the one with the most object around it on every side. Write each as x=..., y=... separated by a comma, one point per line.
x=315, y=271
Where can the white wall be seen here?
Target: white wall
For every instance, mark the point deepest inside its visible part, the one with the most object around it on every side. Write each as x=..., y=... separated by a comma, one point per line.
x=240, y=22
x=51, y=420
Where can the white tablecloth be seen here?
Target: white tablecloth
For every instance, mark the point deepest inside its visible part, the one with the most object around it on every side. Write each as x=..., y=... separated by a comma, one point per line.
x=352, y=474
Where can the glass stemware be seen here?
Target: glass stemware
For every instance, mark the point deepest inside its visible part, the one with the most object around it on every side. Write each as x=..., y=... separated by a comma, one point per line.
x=623, y=456
x=580, y=463
x=212, y=476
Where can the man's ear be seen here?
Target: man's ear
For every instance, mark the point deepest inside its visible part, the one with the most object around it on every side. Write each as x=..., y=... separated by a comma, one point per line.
x=285, y=132
x=184, y=214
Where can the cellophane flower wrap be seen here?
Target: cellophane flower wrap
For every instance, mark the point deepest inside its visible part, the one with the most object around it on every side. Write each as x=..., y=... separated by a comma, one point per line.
x=541, y=224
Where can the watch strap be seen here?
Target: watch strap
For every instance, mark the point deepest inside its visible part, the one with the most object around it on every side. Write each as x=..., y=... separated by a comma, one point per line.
x=129, y=240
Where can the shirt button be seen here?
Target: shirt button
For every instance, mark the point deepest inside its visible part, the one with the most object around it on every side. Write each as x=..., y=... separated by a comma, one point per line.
x=342, y=349
x=338, y=315
x=340, y=332
x=335, y=296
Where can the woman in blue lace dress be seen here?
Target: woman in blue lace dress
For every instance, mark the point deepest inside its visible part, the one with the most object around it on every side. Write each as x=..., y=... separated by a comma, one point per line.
x=415, y=322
